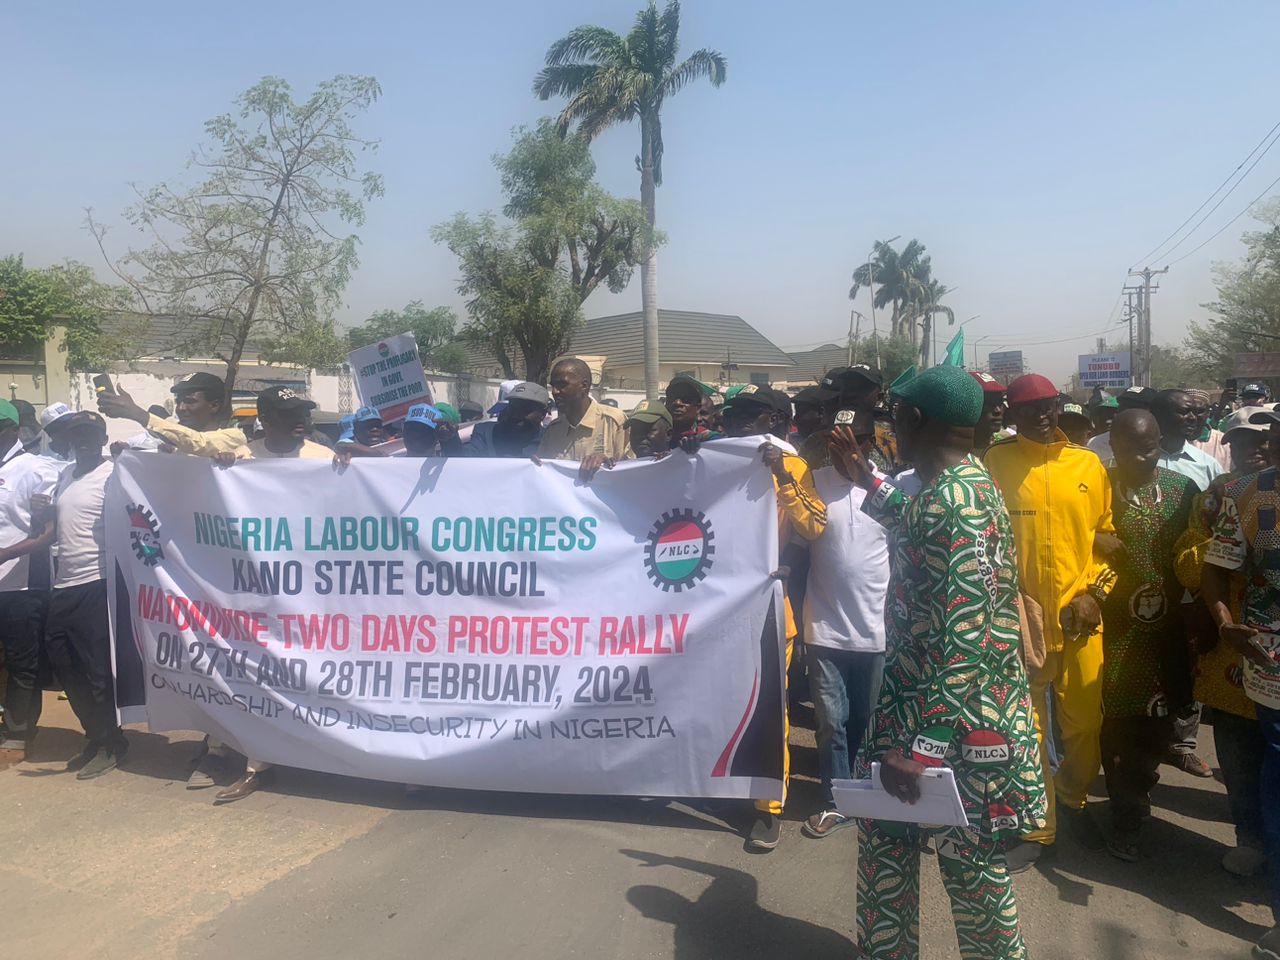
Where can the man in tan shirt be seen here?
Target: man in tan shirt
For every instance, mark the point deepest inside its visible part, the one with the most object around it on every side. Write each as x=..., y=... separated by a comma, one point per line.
x=583, y=426
x=199, y=404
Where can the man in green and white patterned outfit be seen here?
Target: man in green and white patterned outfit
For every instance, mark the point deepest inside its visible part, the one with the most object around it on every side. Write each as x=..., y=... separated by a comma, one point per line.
x=955, y=692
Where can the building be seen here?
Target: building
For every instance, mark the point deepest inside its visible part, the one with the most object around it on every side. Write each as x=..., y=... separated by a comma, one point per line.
x=812, y=365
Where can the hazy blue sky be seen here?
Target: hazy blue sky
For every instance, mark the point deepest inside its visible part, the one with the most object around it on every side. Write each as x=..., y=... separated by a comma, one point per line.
x=1036, y=148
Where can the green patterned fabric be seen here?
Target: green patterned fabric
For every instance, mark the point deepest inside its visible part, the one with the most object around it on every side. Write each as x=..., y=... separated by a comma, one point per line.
x=1146, y=667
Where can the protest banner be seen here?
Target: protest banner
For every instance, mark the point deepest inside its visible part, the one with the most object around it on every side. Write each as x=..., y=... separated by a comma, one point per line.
x=389, y=376
x=489, y=624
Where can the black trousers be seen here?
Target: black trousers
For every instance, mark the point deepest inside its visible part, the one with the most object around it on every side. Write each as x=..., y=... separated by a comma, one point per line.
x=22, y=615
x=78, y=641
x=1132, y=750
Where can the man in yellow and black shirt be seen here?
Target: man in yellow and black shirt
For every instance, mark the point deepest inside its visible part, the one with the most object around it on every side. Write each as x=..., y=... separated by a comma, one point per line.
x=1059, y=500
x=199, y=403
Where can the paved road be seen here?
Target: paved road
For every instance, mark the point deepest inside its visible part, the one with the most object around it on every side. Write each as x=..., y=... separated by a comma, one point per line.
x=135, y=866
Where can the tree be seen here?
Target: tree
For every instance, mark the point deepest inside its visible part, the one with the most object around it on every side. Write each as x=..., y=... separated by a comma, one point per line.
x=895, y=354
x=432, y=329
x=525, y=283
x=1247, y=311
x=925, y=307
x=32, y=301
x=610, y=80
x=900, y=277
x=255, y=253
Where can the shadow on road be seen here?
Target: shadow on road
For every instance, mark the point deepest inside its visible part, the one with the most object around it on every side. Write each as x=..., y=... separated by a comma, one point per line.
x=727, y=919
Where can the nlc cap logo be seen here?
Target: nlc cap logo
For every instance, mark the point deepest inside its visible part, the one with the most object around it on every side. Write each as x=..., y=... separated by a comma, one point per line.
x=384, y=350
x=144, y=535
x=680, y=550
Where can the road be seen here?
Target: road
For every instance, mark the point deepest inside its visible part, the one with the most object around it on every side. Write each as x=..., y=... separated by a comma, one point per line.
x=133, y=865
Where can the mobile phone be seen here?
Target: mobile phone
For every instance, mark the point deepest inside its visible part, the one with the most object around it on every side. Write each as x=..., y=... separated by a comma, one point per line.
x=102, y=384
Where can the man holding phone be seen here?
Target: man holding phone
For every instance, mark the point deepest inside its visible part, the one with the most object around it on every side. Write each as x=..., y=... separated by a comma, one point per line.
x=199, y=404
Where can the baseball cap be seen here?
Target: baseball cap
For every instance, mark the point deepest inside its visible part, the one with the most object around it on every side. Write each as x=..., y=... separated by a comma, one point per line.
x=425, y=414
x=988, y=383
x=8, y=411
x=703, y=389
x=527, y=390
x=837, y=377
x=449, y=413
x=1109, y=403
x=83, y=418
x=650, y=412
x=1243, y=419
x=1029, y=388
x=1253, y=390
x=813, y=396
x=367, y=413
x=761, y=396
x=202, y=381
x=347, y=429
x=1073, y=410
x=1137, y=398
x=504, y=391
x=283, y=398
x=53, y=415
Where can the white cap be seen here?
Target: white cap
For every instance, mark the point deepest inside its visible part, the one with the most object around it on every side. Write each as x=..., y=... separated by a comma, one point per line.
x=504, y=391
x=54, y=412
x=1242, y=420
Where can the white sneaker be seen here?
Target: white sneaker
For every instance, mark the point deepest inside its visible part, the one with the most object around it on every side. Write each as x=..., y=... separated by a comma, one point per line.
x=1244, y=861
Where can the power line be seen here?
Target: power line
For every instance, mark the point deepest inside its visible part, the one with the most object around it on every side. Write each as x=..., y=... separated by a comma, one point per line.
x=1218, y=232
x=1272, y=136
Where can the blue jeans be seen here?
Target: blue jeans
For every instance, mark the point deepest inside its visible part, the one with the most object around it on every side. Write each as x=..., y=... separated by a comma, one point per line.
x=845, y=685
x=1269, y=790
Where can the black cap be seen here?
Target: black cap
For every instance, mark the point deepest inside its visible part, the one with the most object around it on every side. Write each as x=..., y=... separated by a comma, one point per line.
x=1253, y=390
x=283, y=398
x=1137, y=398
x=763, y=397
x=814, y=396
x=692, y=382
x=204, y=382
x=838, y=377
x=84, y=418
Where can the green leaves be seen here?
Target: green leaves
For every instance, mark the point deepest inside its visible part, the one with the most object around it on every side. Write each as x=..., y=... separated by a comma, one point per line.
x=432, y=329
x=69, y=295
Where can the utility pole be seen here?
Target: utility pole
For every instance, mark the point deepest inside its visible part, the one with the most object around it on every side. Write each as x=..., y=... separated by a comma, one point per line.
x=854, y=330
x=1142, y=370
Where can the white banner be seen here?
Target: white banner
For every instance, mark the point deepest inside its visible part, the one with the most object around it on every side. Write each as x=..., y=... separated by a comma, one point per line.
x=1107, y=370
x=486, y=624
x=389, y=376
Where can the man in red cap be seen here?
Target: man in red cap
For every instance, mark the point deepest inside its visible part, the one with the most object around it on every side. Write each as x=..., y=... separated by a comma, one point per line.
x=993, y=407
x=1059, y=498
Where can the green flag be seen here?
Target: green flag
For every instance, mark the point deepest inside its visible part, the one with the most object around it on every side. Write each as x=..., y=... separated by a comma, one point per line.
x=902, y=378
x=955, y=351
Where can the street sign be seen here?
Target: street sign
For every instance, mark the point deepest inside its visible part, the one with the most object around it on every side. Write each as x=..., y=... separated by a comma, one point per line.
x=1005, y=365
x=389, y=376
x=1106, y=370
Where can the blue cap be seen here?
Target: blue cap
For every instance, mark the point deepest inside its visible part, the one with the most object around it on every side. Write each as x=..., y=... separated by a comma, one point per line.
x=367, y=413
x=426, y=414
x=347, y=427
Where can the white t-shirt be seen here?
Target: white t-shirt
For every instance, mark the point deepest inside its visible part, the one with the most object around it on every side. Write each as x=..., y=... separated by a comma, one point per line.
x=22, y=476
x=848, y=572
x=82, y=541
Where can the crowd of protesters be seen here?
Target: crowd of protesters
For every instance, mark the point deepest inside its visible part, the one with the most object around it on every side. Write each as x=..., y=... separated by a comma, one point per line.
x=986, y=577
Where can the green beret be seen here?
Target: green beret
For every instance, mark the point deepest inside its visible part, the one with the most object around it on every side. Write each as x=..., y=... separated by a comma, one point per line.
x=948, y=394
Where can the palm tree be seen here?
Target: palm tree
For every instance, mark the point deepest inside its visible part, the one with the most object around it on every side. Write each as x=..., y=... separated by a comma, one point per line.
x=899, y=277
x=609, y=80
x=926, y=306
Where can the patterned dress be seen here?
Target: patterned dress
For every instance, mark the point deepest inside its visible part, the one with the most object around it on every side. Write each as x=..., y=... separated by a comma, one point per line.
x=955, y=693
x=1146, y=665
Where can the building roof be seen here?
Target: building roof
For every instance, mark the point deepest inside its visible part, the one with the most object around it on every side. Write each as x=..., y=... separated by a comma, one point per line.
x=684, y=337
x=814, y=363
x=157, y=336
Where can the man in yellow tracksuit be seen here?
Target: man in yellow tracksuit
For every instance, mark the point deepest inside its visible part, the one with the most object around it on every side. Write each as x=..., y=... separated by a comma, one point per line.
x=754, y=411
x=1059, y=499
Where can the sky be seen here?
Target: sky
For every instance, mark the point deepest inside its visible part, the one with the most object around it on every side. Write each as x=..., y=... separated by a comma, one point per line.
x=1037, y=149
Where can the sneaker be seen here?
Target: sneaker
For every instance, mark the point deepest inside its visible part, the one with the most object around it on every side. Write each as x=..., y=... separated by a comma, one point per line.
x=824, y=824
x=1026, y=855
x=84, y=756
x=1190, y=763
x=1123, y=845
x=765, y=832
x=1081, y=826
x=1268, y=948
x=1244, y=861
x=102, y=762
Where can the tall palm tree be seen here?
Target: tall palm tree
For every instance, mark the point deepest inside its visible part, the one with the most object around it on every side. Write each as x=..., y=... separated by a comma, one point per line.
x=610, y=80
x=925, y=307
x=898, y=274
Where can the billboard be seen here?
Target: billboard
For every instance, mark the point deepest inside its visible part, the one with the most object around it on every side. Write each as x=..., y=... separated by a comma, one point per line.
x=1005, y=365
x=1106, y=370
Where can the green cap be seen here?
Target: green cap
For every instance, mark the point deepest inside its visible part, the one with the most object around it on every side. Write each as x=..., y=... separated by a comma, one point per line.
x=705, y=389
x=651, y=411
x=449, y=412
x=733, y=391
x=1109, y=403
x=8, y=411
x=905, y=377
x=945, y=393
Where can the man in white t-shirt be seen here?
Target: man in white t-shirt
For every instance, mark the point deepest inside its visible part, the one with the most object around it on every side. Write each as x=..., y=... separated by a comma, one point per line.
x=77, y=635
x=24, y=586
x=844, y=621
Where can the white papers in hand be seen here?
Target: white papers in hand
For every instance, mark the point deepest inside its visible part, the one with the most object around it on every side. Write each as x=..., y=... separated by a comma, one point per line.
x=939, y=803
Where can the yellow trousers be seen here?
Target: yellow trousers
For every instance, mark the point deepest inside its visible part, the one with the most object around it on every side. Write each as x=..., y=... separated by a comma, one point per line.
x=1075, y=674
x=775, y=806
